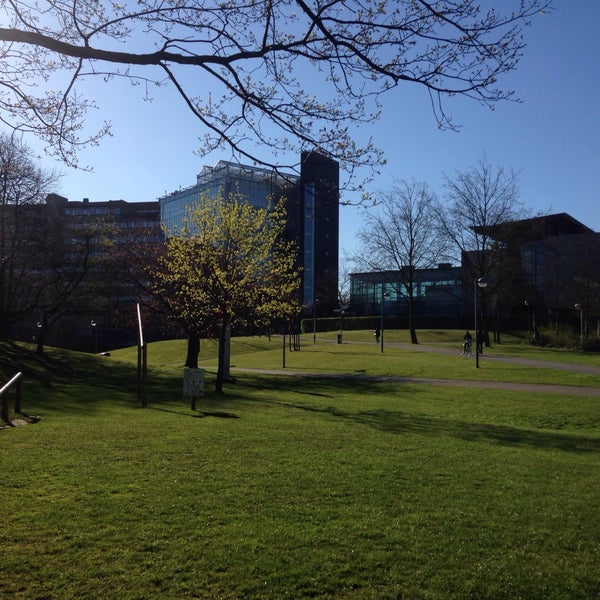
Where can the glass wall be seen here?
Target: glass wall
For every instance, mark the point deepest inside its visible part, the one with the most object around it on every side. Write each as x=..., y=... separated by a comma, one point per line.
x=437, y=292
x=257, y=186
x=309, y=244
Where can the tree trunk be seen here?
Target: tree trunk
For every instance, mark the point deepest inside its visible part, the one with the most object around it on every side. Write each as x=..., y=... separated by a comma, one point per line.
x=222, y=357
x=193, y=350
x=40, y=341
x=411, y=325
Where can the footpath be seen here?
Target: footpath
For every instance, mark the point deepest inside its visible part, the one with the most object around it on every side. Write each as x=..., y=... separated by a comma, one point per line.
x=498, y=385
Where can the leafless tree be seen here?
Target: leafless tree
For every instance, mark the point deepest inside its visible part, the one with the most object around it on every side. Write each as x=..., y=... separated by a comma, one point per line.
x=401, y=239
x=69, y=279
x=23, y=186
x=480, y=200
x=291, y=74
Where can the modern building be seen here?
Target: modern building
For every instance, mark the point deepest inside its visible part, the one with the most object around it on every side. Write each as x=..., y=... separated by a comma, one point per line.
x=559, y=262
x=312, y=202
x=101, y=317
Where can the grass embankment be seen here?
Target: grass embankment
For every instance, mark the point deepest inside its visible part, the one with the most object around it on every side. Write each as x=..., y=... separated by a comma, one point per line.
x=291, y=487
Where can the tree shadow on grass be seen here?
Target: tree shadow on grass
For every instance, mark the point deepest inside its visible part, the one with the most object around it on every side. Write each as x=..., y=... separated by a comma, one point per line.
x=198, y=414
x=400, y=422
x=67, y=381
x=82, y=381
x=16, y=358
x=57, y=364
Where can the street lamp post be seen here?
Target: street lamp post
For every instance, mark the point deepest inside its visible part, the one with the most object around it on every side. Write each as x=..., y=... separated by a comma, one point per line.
x=341, y=310
x=93, y=324
x=384, y=295
x=579, y=307
x=315, y=320
x=479, y=283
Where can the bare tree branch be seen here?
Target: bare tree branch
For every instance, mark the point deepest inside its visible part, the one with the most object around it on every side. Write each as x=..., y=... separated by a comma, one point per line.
x=291, y=74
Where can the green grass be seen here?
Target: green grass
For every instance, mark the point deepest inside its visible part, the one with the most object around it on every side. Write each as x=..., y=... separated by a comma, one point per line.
x=295, y=487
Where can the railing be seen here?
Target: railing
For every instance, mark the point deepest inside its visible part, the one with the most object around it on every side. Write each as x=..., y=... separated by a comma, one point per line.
x=16, y=380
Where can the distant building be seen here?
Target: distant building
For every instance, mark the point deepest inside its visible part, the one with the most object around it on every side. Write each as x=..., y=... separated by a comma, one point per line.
x=312, y=202
x=130, y=221
x=108, y=298
x=560, y=263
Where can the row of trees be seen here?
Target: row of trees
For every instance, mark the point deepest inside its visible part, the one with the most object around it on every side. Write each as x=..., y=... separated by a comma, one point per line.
x=413, y=230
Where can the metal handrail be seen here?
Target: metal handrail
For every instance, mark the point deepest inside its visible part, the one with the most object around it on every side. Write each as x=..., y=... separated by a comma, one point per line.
x=16, y=379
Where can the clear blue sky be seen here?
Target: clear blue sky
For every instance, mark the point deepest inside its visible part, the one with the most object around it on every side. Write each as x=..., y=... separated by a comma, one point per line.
x=552, y=139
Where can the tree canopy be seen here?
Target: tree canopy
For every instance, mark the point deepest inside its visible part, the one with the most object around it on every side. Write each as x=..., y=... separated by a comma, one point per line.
x=229, y=266
x=291, y=74
x=479, y=199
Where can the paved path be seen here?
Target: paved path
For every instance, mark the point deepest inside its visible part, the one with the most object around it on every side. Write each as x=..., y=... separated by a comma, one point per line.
x=498, y=385
x=543, y=364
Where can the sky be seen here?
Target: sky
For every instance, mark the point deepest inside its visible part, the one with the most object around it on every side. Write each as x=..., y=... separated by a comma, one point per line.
x=551, y=140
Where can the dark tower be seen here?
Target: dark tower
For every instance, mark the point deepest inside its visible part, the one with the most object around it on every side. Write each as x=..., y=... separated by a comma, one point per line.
x=319, y=184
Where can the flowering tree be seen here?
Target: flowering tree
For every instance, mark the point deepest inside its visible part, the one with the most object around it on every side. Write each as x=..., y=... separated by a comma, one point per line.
x=229, y=266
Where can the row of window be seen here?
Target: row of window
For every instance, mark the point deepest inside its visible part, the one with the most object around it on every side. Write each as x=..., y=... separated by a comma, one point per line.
x=365, y=291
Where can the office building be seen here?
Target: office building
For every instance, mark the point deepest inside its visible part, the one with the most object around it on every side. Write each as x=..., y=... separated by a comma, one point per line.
x=312, y=203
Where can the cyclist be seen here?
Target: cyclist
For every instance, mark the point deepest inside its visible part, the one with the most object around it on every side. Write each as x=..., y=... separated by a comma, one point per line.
x=467, y=339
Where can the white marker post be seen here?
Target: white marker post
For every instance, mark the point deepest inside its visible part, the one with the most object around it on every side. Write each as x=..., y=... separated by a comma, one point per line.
x=142, y=362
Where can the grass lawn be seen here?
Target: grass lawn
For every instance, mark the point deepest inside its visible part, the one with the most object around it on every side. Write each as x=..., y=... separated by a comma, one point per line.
x=297, y=487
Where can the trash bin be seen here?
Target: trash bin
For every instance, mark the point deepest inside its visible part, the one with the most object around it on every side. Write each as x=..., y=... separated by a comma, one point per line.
x=339, y=338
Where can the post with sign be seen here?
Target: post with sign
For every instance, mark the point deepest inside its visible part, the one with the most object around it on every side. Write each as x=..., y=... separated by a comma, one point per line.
x=142, y=362
x=193, y=384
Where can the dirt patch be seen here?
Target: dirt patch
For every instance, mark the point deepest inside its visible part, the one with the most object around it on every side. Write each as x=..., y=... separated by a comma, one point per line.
x=19, y=422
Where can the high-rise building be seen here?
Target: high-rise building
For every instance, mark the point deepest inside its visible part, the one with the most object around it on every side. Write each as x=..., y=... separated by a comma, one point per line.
x=312, y=202
x=130, y=221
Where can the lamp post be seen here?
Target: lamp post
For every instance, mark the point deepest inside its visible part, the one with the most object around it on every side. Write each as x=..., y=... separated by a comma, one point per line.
x=579, y=307
x=384, y=295
x=341, y=310
x=528, y=307
x=479, y=283
x=315, y=300
x=93, y=324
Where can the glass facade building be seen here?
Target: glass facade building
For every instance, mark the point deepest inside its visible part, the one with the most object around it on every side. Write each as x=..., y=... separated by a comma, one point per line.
x=312, y=202
x=256, y=185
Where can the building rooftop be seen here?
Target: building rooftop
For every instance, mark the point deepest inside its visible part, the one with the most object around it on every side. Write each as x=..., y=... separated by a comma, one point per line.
x=225, y=168
x=535, y=228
